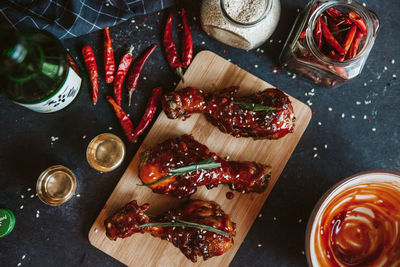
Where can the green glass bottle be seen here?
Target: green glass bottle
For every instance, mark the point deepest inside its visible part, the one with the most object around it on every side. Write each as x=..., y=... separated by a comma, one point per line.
x=36, y=71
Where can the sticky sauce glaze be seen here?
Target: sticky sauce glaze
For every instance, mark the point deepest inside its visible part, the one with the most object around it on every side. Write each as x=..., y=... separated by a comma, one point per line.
x=361, y=227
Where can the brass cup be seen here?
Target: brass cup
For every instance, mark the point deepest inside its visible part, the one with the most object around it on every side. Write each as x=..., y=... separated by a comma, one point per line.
x=105, y=152
x=56, y=185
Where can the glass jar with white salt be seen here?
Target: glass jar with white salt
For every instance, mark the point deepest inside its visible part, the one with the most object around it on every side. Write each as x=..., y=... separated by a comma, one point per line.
x=244, y=24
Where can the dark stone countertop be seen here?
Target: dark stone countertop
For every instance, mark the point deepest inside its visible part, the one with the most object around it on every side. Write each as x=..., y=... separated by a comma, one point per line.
x=339, y=142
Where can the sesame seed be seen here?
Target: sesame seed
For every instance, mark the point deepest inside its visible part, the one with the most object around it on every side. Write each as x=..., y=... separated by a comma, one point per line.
x=314, y=148
x=19, y=264
x=353, y=117
x=392, y=61
x=23, y=256
x=78, y=195
x=95, y=230
x=358, y=103
x=326, y=146
x=21, y=207
x=29, y=189
x=275, y=218
x=373, y=129
x=394, y=76
x=300, y=220
x=83, y=137
x=32, y=196
x=302, y=252
x=343, y=115
x=259, y=245
x=110, y=128
x=22, y=196
x=255, y=66
x=319, y=123
x=315, y=155
x=330, y=109
x=260, y=215
x=365, y=117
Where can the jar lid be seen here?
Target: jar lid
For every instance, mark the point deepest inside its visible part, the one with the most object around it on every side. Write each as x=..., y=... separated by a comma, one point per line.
x=7, y=222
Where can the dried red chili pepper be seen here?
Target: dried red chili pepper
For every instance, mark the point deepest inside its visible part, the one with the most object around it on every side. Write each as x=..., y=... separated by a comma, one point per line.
x=335, y=14
x=187, y=41
x=109, y=61
x=354, y=46
x=121, y=73
x=91, y=66
x=134, y=73
x=357, y=20
x=149, y=113
x=330, y=39
x=349, y=38
x=170, y=48
x=124, y=120
x=318, y=33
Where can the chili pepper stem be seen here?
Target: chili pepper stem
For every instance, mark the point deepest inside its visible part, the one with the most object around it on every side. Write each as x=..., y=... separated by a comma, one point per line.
x=130, y=97
x=179, y=71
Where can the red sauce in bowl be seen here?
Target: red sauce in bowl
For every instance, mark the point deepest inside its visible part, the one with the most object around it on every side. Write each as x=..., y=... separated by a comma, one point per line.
x=359, y=226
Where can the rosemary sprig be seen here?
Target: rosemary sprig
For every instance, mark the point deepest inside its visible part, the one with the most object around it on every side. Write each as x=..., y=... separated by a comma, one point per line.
x=182, y=223
x=204, y=164
x=255, y=107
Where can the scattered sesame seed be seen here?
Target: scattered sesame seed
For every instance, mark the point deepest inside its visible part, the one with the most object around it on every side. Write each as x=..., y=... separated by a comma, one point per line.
x=343, y=115
x=95, y=230
x=274, y=71
x=22, y=196
x=315, y=155
x=37, y=215
x=23, y=256
x=392, y=61
x=326, y=146
x=319, y=123
x=107, y=4
x=298, y=10
x=358, y=103
x=365, y=117
x=255, y=66
x=314, y=148
x=271, y=41
x=260, y=215
x=53, y=138
x=78, y=195
x=275, y=218
x=259, y=245
x=22, y=206
x=302, y=252
x=203, y=43
x=110, y=128
x=330, y=109
x=29, y=189
x=19, y=264
x=373, y=129
x=144, y=78
x=353, y=117
x=394, y=76
x=133, y=21
x=385, y=68
x=365, y=84
x=32, y=196
x=364, y=4
x=84, y=137
x=300, y=220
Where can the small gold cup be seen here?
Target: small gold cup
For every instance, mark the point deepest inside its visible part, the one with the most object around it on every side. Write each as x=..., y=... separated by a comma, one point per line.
x=56, y=185
x=105, y=152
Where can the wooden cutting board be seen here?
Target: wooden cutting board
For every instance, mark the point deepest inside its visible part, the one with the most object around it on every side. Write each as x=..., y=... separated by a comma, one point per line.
x=210, y=72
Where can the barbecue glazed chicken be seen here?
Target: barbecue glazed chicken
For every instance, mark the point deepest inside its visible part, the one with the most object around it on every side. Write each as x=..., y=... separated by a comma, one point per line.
x=191, y=241
x=222, y=110
x=159, y=169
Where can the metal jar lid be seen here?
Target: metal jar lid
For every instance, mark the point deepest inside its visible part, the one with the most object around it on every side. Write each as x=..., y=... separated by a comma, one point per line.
x=56, y=185
x=7, y=222
x=105, y=152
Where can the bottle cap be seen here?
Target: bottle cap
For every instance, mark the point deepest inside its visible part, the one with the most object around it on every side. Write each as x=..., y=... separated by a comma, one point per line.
x=7, y=222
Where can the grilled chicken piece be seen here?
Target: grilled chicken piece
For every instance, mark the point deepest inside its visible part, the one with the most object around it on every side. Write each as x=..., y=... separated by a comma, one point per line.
x=192, y=242
x=159, y=161
x=222, y=111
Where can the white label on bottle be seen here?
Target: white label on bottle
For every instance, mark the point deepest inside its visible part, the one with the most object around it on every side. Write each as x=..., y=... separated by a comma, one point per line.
x=64, y=96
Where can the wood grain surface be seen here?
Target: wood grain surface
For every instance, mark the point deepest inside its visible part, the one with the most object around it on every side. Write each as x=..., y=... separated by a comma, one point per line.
x=210, y=72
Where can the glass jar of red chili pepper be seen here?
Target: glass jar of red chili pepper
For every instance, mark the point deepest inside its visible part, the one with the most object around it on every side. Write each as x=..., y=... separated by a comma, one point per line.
x=330, y=41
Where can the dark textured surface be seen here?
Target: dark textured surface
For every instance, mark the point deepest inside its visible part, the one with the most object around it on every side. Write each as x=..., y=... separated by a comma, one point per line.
x=59, y=236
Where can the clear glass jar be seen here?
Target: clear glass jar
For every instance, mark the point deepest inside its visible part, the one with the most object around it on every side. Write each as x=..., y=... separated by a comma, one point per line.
x=241, y=24
x=302, y=54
